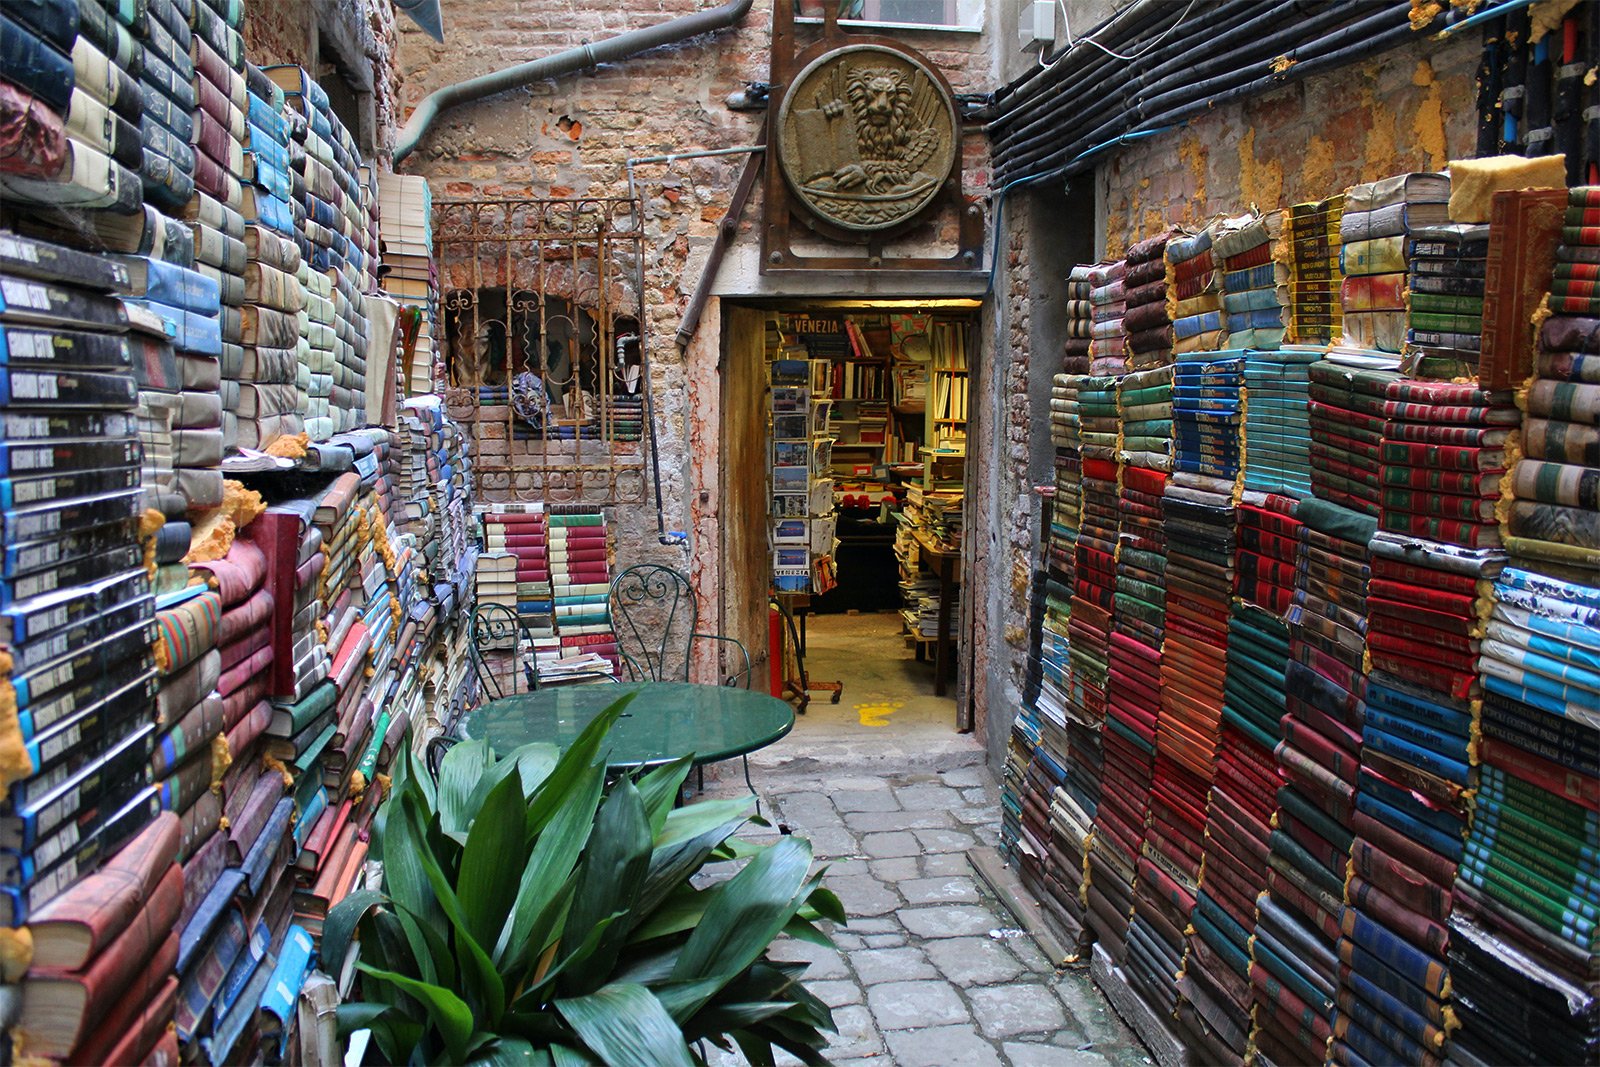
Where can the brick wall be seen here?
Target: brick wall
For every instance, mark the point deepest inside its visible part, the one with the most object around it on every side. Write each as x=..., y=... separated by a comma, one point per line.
x=572, y=137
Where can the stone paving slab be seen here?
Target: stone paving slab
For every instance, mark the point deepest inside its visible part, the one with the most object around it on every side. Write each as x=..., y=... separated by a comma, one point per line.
x=929, y=972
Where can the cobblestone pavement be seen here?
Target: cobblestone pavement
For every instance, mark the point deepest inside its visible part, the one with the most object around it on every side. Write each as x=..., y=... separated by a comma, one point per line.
x=929, y=971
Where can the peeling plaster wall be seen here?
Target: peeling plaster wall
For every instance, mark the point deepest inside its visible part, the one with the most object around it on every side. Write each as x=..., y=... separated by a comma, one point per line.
x=1409, y=109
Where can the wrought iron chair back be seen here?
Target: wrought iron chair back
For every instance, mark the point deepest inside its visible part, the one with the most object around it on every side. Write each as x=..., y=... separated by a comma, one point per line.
x=496, y=629
x=656, y=620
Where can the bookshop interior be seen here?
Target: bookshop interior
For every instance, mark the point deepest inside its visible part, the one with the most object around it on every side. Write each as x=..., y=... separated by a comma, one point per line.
x=866, y=428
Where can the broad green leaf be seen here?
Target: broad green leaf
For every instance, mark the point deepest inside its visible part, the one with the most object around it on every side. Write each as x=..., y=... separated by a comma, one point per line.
x=692, y=820
x=404, y=876
x=477, y=970
x=555, y=854
x=672, y=865
x=449, y=1013
x=493, y=861
x=562, y=1056
x=826, y=903
x=660, y=789
x=399, y=1038
x=579, y=758
x=462, y=768
x=609, y=879
x=757, y=1051
x=748, y=911
x=409, y=776
x=510, y=1052
x=626, y=1026
x=683, y=910
x=585, y=947
x=431, y=947
x=339, y=928
x=534, y=762
x=802, y=929
x=358, y=1015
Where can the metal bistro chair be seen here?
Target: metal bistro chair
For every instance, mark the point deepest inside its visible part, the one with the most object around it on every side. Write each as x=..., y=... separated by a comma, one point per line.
x=656, y=621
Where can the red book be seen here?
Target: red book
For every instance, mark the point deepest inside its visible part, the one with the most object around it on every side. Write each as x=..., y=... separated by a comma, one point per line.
x=59, y=1007
x=165, y=1052
x=1524, y=229
x=131, y=1029
x=76, y=925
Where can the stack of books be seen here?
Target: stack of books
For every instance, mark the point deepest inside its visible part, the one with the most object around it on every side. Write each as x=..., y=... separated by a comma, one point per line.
x=1373, y=231
x=1255, y=286
x=1316, y=313
x=337, y=227
x=1446, y=266
x=580, y=579
x=270, y=389
x=405, y=226
x=77, y=625
x=522, y=532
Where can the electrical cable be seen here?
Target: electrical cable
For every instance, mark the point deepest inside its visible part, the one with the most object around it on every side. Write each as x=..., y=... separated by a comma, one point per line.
x=1117, y=55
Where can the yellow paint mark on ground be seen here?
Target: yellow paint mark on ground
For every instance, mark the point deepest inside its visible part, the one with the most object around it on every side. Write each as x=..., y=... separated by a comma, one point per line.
x=876, y=713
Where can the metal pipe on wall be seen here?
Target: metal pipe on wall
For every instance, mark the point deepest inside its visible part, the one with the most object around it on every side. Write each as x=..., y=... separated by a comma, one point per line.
x=566, y=62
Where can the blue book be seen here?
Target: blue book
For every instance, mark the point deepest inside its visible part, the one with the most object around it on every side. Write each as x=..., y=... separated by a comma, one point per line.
x=269, y=122
x=190, y=331
x=172, y=285
x=243, y=968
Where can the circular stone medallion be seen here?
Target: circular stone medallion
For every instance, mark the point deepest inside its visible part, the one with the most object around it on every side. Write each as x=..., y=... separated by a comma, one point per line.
x=867, y=136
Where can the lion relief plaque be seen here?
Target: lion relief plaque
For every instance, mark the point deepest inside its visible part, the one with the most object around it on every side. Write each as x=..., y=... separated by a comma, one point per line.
x=867, y=136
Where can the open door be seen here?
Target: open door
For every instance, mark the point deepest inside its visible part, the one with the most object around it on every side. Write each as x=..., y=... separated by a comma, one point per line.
x=746, y=568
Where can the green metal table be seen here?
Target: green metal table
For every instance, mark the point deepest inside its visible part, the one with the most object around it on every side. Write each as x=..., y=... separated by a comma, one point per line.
x=665, y=721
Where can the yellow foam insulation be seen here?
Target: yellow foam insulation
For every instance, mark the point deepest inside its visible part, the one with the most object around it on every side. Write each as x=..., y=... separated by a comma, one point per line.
x=16, y=953
x=276, y=766
x=1380, y=154
x=1194, y=156
x=149, y=523
x=15, y=764
x=1282, y=63
x=1423, y=12
x=1316, y=168
x=1473, y=182
x=221, y=759
x=1427, y=122
x=1260, y=181
x=212, y=538
x=291, y=446
x=243, y=504
x=1468, y=7
x=1544, y=18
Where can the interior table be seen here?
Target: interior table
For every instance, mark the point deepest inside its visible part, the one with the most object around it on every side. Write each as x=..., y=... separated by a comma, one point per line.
x=664, y=721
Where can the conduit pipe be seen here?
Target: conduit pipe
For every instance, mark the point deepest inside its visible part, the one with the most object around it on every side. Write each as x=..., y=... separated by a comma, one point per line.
x=1192, y=85
x=1372, y=31
x=569, y=61
x=1033, y=115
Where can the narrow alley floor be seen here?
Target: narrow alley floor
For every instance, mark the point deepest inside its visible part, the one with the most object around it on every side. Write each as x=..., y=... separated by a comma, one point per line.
x=931, y=971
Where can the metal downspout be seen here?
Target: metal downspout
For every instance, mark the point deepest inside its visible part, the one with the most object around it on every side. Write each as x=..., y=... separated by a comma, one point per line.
x=573, y=59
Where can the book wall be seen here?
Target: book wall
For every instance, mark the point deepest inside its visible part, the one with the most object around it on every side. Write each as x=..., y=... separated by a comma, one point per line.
x=1335, y=641
x=242, y=595
x=405, y=226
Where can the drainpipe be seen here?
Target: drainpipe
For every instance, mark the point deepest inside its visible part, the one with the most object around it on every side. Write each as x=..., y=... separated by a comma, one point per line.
x=584, y=56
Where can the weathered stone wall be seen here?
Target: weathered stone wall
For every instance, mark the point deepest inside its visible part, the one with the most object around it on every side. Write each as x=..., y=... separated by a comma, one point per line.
x=572, y=137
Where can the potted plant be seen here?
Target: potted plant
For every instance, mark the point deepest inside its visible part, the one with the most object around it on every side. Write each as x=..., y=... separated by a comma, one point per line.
x=532, y=913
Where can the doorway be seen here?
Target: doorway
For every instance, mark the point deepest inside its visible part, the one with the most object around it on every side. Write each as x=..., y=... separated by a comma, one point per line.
x=844, y=465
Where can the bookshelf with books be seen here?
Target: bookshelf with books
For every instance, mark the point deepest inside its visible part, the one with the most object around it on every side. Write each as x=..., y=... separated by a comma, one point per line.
x=801, y=466
x=947, y=411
